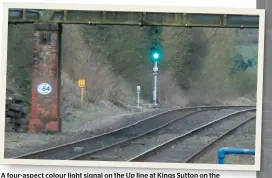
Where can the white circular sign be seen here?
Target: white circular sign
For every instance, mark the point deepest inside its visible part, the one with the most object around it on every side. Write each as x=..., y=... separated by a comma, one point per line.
x=44, y=88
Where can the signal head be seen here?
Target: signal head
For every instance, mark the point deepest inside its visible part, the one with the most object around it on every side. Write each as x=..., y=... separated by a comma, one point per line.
x=155, y=54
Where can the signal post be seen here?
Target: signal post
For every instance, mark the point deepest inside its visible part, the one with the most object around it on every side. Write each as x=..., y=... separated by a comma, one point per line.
x=155, y=57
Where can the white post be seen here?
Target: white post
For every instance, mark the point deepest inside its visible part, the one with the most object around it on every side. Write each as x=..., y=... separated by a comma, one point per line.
x=138, y=96
x=155, y=72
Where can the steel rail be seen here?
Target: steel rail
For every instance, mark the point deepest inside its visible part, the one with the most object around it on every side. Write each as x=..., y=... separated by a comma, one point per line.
x=141, y=135
x=209, y=145
x=85, y=156
x=156, y=148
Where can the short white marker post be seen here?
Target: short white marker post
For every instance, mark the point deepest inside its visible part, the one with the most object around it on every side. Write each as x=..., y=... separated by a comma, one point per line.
x=138, y=96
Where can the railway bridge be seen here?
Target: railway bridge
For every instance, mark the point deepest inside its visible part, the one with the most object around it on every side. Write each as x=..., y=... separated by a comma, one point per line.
x=44, y=115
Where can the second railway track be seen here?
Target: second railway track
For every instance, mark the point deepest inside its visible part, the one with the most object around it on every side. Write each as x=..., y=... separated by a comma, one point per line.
x=142, y=144
x=122, y=135
x=185, y=147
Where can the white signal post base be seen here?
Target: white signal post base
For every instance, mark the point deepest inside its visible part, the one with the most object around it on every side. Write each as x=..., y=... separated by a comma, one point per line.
x=155, y=73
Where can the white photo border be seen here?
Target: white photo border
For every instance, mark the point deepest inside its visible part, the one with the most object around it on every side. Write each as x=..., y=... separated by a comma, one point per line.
x=138, y=8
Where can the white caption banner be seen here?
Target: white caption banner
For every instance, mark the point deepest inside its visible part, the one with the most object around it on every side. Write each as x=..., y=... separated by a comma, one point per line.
x=85, y=172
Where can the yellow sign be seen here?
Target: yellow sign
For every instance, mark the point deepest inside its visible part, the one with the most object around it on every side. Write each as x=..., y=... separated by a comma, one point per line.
x=81, y=83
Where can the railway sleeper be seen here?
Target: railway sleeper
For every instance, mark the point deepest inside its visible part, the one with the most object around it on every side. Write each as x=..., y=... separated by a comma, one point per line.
x=131, y=143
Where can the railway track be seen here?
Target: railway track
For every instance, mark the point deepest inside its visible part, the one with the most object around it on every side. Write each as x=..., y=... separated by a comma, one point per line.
x=126, y=150
x=122, y=135
x=216, y=144
x=187, y=147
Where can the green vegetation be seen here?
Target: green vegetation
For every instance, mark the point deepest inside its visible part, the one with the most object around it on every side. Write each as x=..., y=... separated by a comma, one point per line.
x=197, y=65
x=20, y=59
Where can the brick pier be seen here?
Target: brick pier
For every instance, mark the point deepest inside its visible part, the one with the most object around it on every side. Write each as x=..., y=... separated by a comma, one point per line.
x=45, y=80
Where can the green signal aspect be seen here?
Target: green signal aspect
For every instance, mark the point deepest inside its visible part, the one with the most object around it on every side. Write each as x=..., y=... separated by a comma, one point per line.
x=155, y=54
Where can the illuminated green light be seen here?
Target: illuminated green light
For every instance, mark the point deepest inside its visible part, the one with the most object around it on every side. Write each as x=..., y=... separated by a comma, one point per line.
x=155, y=54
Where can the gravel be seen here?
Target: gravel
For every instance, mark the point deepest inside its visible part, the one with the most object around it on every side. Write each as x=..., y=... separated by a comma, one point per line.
x=80, y=125
x=244, y=137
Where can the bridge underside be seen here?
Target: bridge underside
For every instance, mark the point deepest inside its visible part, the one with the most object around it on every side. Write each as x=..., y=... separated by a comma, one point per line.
x=133, y=18
x=45, y=107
